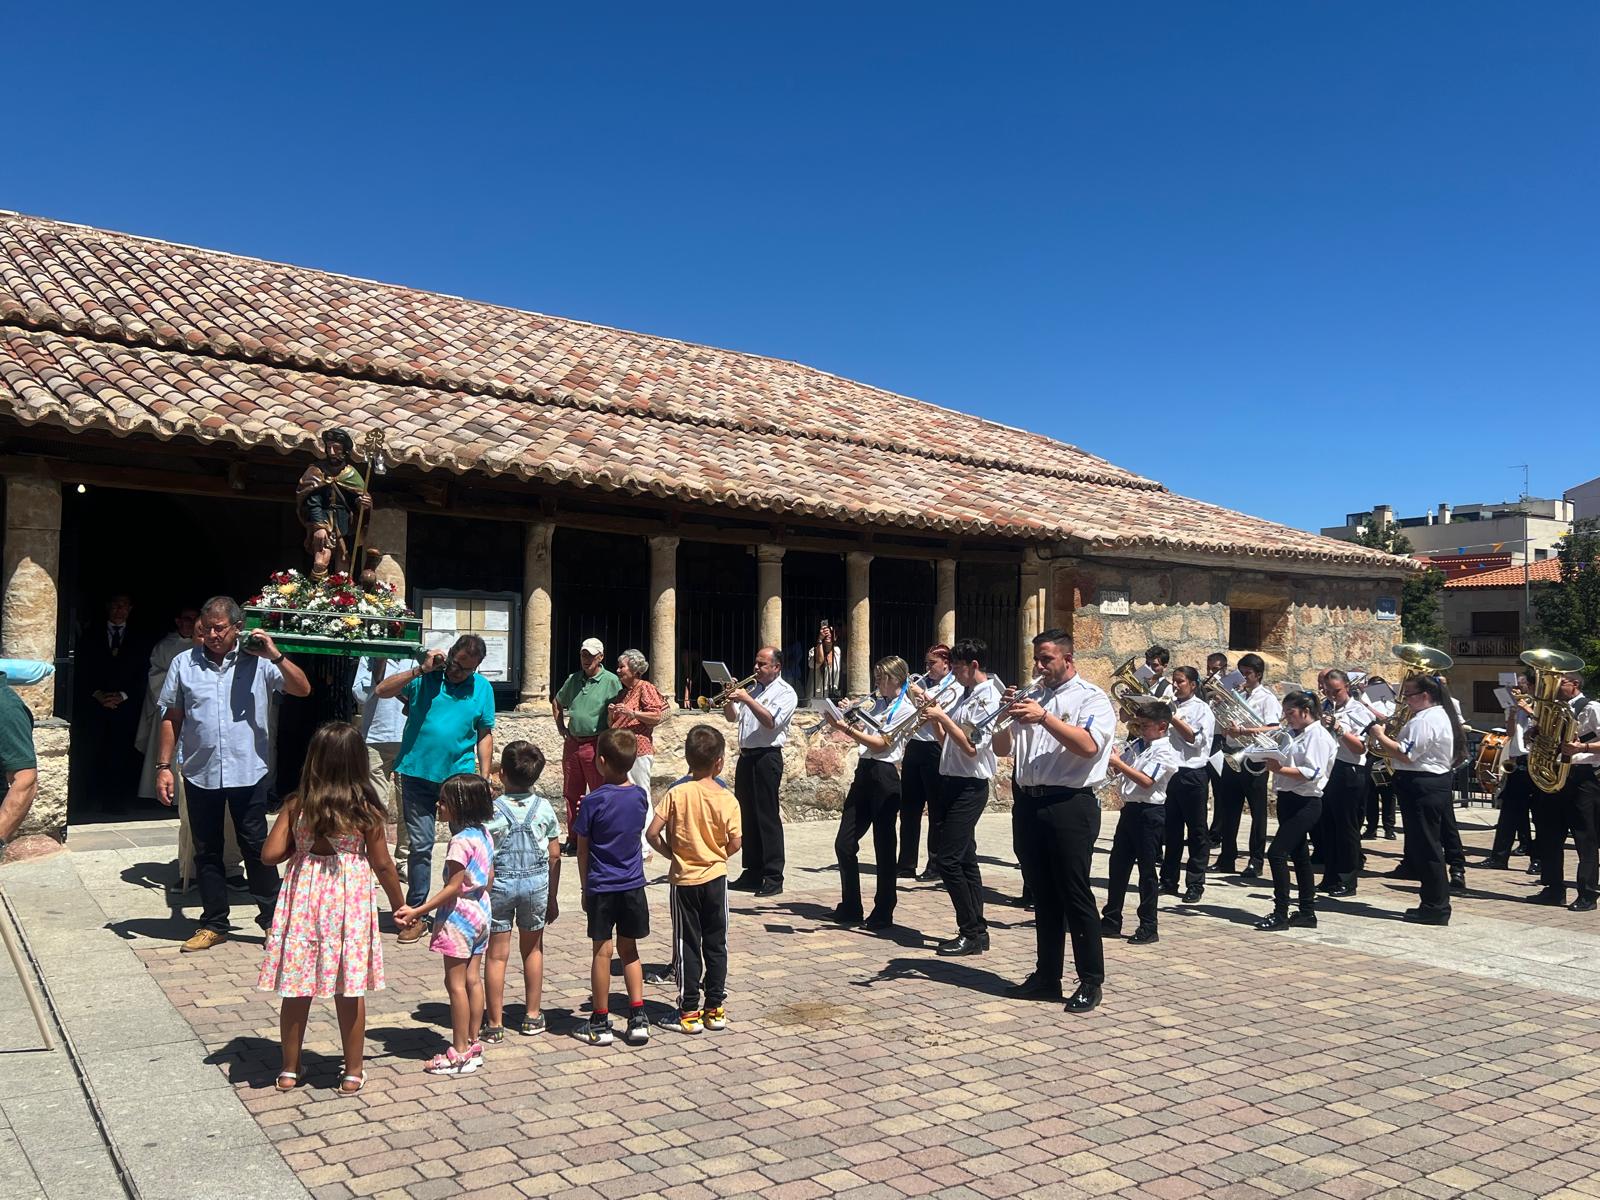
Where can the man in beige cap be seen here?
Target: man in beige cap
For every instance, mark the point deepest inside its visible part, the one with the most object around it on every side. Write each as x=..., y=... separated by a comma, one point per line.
x=580, y=712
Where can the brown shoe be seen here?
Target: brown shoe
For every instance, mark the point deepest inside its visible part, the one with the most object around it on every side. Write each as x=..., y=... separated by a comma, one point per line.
x=203, y=939
x=413, y=932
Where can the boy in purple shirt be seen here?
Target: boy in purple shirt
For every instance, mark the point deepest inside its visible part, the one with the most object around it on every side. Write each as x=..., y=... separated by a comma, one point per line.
x=609, y=831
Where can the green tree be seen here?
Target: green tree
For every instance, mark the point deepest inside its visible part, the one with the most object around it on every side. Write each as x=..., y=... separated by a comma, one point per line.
x=1419, y=594
x=1569, y=612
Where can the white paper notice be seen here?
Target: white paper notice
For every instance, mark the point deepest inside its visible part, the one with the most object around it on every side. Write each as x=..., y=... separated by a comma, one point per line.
x=1502, y=698
x=444, y=615
x=497, y=658
x=496, y=616
x=434, y=640
x=1509, y=679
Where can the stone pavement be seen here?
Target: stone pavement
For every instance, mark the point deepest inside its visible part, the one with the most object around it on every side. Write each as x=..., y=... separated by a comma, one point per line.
x=1364, y=1058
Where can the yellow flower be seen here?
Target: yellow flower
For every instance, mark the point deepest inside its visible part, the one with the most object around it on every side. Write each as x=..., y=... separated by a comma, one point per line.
x=288, y=589
x=352, y=622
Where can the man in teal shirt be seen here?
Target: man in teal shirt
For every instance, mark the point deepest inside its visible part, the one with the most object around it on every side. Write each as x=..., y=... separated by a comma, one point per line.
x=581, y=708
x=449, y=729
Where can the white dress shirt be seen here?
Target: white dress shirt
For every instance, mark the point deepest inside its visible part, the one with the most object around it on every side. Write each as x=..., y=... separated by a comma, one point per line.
x=777, y=698
x=1517, y=726
x=1158, y=760
x=886, y=713
x=383, y=722
x=1350, y=717
x=1197, y=715
x=1588, y=713
x=1312, y=752
x=1266, y=705
x=1042, y=761
x=943, y=693
x=972, y=706
x=1428, y=743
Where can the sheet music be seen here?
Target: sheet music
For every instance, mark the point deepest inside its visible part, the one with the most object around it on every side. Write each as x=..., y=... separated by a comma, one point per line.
x=1503, y=698
x=718, y=673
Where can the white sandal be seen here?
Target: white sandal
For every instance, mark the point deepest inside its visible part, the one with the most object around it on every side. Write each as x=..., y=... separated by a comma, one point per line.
x=359, y=1080
x=292, y=1076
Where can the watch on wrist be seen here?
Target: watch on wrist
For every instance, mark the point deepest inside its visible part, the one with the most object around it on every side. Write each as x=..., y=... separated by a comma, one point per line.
x=279, y=659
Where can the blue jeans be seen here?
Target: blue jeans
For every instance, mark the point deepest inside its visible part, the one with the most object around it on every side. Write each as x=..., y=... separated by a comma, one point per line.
x=419, y=806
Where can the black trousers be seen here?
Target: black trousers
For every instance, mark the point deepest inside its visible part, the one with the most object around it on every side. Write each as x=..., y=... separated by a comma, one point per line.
x=755, y=786
x=700, y=941
x=1514, y=826
x=919, y=784
x=1342, y=802
x=1425, y=802
x=1455, y=854
x=954, y=824
x=1240, y=788
x=1140, y=828
x=1185, y=822
x=1214, y=783
x=248, y=807
x=1056, y=834
x=1571, y=810
x=1380, y=795
x=873, y=803
x=1296, y=816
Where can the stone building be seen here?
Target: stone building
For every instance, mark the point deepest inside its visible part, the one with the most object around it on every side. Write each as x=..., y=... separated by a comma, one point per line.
x=157, y=402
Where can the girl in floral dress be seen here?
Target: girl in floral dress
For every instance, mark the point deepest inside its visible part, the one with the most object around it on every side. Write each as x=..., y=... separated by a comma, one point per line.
x=324, y=937
x=461, y=923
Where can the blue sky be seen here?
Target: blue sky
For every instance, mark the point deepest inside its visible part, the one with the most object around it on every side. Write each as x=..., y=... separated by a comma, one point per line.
x=1294, y=258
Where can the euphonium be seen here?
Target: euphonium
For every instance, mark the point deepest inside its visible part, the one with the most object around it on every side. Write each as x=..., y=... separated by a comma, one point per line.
x=1417, y=660
x=1553, y=719
x=1231, y=709
x=1125, y=686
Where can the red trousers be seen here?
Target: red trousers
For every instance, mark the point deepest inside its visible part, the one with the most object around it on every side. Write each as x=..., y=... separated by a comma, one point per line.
x=579, y=776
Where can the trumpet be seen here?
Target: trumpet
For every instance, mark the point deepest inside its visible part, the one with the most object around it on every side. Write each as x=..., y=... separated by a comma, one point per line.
x=901, y=730
x=993, y=722
x=854, y=713
x=707, y=703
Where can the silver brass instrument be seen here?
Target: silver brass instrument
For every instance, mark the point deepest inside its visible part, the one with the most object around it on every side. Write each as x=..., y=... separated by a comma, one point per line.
x=993, y=722
x=721, y=698
x=1554, y=721
x=855, y=713
x=904, y=728
x=1231, y=709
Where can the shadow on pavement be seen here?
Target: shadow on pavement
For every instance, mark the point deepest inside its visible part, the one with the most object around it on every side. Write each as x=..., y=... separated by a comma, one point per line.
x=952, y=971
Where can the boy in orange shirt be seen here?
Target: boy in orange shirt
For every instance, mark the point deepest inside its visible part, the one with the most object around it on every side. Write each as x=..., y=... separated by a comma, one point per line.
x=696, y=826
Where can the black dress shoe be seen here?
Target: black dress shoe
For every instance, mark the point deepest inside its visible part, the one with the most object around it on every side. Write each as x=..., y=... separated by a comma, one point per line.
x=1458, y=878
x=1252, y=870
x=1169, y=889
x=1389, y=835
x=1033, y=988
x=905, y=873
x=745, y=883
x=1111, y=925
x=845, y=916
x=880, y=920
x=1222, y=868
x=1524, y=851
x=1192, y=896
x=1582, y=904
x=1345, y=887
x=1026, y=899
x=962, y=944
x=1534, y=867
x=1550, y=896
x=1277, y=920
x=1085, y=999
x=1303, y=919
x=928, y=876
x=1403, y=870
x=772, y=887
x=1327, y=885
x=1426, y=916
x=1495, y=863
x=1144, y=935
x=1371, y=831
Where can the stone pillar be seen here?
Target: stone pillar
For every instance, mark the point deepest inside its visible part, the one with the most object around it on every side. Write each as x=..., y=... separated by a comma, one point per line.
x=32, y=561
x=769, y=594
x=858, y=610
x=664, y=614
x=388, y=534
x=534, y=695
x=944, y=601
x=1030, y=613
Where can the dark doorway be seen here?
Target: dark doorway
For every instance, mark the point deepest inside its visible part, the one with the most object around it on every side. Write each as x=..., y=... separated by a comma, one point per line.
x=902, y=591
x=987, y=601
x=600, y=587
x=716, y=613
x=813, y=592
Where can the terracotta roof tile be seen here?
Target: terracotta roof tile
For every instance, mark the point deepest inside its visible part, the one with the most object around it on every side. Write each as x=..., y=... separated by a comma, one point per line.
x=111, y=331
x=1546, y=570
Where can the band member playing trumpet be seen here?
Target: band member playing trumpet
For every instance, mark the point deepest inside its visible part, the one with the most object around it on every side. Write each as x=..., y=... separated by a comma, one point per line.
x=919, y=771
x=1514, y=825
x=1061, y=742
x=1424, y=758
x=966, y=765
x=762, y=712
x=1346, y=792
x=1190, y=732
x=1244, y=787
x=874, y=800
x=1146, y=768
x=1300, y=781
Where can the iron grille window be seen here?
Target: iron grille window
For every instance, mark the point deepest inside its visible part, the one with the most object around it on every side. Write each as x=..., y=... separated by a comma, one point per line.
x=716, y=613
x=599, y=588
x=987, y=602
x=813, y=592
x=1244, y=629
x=463, y=554
x=902, y=591
x=1483, y=700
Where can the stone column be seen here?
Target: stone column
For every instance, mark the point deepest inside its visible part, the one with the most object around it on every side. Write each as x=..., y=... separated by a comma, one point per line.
x=388, y=534
x=32, y=560
x=769, y=594
x=534, y=695
x=1030, y=614
x=858, y=610
x=664, y=614
x=944, y=601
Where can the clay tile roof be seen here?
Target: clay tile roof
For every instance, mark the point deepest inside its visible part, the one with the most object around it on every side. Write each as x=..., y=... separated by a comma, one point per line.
x=1544, y=571
x=102, y=330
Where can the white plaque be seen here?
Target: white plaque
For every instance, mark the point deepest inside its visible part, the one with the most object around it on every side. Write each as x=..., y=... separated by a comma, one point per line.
x=1113, y=603
x=443, y=615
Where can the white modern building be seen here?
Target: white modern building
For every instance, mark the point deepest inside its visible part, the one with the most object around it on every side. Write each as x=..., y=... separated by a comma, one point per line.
x=1584, y=500
x=1476, y=531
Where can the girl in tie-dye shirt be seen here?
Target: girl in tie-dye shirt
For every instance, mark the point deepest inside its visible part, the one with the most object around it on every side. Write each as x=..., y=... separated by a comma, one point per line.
x=461, y=917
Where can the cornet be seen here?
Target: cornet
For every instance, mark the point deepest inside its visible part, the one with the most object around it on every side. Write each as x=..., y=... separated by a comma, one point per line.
x=707, y=703
x=993, y=722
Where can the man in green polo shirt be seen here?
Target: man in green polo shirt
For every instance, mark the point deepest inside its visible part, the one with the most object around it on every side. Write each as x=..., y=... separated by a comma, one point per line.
x=18, y=761
x=580, y=711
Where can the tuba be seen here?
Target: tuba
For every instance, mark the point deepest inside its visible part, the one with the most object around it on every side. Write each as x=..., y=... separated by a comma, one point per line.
x=1125, y=686
x=1553, y=719
x=1417, y=660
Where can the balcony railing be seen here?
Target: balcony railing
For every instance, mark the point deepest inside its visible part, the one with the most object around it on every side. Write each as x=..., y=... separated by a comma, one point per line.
x=1485, y=646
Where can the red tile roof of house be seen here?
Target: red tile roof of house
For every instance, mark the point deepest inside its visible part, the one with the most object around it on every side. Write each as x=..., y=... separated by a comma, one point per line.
x=102, y=330
x=1544, y=571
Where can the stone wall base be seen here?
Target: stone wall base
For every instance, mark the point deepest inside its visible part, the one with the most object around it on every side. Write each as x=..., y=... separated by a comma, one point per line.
x=52, y=738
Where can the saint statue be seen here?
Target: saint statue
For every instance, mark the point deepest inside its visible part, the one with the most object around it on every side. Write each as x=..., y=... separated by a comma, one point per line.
x=332, y=501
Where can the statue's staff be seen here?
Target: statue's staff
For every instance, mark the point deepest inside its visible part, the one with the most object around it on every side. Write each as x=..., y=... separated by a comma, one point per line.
x=372, y=447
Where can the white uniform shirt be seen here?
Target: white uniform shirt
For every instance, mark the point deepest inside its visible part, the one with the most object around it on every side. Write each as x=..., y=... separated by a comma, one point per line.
x=1044, y=762
x=1517, y=725
x=943, y=692
x=972, y=706
x=1428, y=743
x=886, y=713
x=1197, y=715
x=1160, y=687
x=777, y=698
x=1350, y=717
x=1588, y=714
x=1158, y=760
x=1266, y=705
x=1312, y=752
